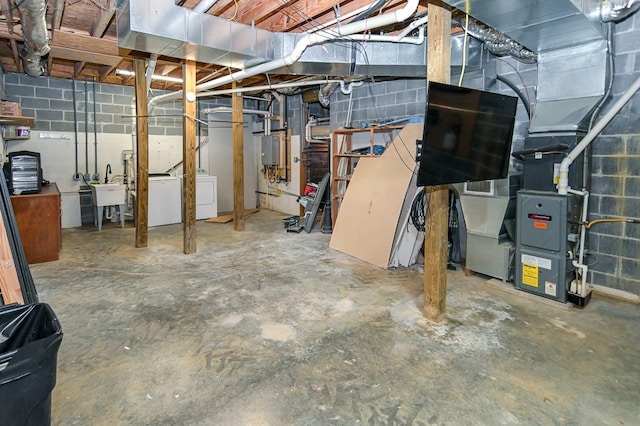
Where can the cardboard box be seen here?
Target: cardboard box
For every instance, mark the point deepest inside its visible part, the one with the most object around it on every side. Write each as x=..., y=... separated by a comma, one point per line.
x=11, y=109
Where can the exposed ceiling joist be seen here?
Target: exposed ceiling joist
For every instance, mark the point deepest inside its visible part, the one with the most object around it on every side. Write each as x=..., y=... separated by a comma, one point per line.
x=56, y=19
x=104, y=19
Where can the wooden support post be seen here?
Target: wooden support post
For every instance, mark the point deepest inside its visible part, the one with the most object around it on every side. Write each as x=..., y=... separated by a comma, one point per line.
x=189, y=156
x=435, y=244
x=142, y=155
x=238, y=160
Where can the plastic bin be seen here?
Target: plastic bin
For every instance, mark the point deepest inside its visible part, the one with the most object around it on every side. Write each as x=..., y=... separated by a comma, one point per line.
x=30, y=337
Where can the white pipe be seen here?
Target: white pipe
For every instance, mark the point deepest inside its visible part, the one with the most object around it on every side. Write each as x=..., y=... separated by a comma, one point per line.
x=583, y=233
x=150, y=70
x=204, y=6
x=563, y=183
x=400, y=38
x=394, y=17
x=265, y=87
x=339, y=19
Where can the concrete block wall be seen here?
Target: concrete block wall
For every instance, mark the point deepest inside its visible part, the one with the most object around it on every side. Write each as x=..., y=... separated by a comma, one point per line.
x=50, y=101
x=615, y=180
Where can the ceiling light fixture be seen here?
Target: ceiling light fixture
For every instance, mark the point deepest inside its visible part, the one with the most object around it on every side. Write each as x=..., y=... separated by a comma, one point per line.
x=153, y=77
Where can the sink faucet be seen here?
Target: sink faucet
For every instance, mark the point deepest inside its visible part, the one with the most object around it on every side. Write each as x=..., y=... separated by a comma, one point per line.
x=107, y=172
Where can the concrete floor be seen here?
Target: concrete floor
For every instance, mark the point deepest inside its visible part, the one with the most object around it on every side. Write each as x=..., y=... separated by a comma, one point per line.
x=262, y=327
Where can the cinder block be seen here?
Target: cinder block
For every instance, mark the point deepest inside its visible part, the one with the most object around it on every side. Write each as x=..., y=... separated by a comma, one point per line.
x=626, y=41
x=630, y=269
x=61, y=105
x=121, y=100
x=61, y=126
x=632, y=187
x=114, y=128
x=35, y=103
x=608, y=145
x=607, y=185
x=43, y=92
x=110, y=88
x=633, y=145
x=19, y=90
x=42, y=125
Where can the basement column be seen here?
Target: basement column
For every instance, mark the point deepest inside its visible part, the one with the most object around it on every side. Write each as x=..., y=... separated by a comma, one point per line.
x=189, y=156
x=435, y=244
x=142, y=155
x=238, y=160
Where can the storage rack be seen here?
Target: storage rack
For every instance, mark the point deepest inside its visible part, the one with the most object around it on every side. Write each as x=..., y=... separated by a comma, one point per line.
x=341, y=144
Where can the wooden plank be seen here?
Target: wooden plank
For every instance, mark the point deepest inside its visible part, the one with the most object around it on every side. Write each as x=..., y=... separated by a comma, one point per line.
x=227, y=217
x=9, y=283
x=372, y=204
x=189, y=157
x=435, y=244
x=238, y=160
x=103, y=19
x=16, y=55
x=72, y=54
x=142, y=157
x=77, y=68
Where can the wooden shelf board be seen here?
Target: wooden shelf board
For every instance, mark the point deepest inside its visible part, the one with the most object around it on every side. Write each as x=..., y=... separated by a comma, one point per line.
x=7, y=120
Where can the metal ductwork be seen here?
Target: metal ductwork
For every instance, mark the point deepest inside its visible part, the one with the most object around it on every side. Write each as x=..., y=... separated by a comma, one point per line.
x=36, y=38
x=617, y=10
x=571, y=50
x=539, y=25
x=163, y=28
x=571, y=82
x=496, y=42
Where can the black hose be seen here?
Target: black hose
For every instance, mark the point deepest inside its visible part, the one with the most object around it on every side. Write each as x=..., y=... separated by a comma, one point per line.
x=518, y=92
x=75, y=119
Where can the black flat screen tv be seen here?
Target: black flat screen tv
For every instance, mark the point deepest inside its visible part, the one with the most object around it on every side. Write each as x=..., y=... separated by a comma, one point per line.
x=467, y=135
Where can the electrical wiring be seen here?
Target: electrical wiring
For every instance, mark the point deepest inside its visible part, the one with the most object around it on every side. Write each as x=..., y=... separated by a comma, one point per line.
x=417, y=215
x=526, y=89
x=613, y=219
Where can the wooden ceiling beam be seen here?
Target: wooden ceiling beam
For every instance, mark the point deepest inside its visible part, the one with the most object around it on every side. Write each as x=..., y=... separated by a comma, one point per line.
x=106, y=70
x=297, y=14
x=77, y=68
x=16, y=55
x=84, y=56
x=7, y=11
x=56, y=19
x=221, y=7
x=104, y=19
x=256, y=11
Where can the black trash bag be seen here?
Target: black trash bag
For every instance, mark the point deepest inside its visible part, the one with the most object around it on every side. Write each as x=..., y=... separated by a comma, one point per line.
x=30, y=337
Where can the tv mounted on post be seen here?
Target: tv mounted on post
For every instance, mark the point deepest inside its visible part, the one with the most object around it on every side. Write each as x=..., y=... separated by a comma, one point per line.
x=467, y=135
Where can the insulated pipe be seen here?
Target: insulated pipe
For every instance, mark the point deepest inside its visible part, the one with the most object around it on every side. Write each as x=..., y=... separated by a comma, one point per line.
x=563, y=183
x=36, y=37
x=394, y=17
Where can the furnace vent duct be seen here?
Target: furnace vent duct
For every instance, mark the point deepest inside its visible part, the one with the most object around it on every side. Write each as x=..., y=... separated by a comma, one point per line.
x=496, y=42
x=36, y=39
x=617, y=10
x=571, y=82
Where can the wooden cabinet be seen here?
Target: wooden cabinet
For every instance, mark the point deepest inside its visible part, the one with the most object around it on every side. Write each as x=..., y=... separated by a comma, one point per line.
x=38, y=218
x=343, y=162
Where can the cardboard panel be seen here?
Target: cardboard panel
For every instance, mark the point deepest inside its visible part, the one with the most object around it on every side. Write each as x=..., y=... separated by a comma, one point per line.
x=366, y=224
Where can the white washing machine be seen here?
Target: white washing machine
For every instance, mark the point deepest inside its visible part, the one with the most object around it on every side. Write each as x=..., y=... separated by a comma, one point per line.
x=165, y=200
x=206, y=197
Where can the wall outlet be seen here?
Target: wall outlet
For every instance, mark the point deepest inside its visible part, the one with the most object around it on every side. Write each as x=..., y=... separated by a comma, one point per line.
x=76, y=176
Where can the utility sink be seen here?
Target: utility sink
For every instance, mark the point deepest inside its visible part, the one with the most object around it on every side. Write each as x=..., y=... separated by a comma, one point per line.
x=108, y=194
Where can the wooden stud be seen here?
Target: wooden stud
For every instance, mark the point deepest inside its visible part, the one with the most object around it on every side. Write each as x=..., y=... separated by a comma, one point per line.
x=435, y=244
x=9, y=282
x=238, y=160
x=142, y=155
x=189, y=157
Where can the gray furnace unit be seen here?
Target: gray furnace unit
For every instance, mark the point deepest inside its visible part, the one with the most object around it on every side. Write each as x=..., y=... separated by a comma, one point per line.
x=547, y=230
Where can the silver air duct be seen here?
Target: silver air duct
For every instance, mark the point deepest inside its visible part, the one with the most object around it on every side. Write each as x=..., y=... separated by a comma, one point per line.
x=617, y=10
x=496, y=42
x=36, y=39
